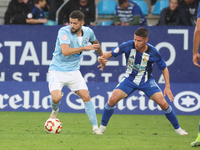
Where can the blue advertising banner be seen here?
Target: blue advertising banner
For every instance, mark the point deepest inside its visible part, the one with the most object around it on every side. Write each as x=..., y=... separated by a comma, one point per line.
x=34, y=96
x=26, y=51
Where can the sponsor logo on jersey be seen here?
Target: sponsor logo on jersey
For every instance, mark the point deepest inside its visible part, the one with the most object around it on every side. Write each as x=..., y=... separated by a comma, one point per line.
x=132, y=57
x=136, y=67
x=86, y=41
x=144, y=59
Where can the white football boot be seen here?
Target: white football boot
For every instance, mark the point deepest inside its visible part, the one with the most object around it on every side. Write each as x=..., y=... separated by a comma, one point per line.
x=181, y=131
x=102, y=128
x=96, y=130
x=54, y=113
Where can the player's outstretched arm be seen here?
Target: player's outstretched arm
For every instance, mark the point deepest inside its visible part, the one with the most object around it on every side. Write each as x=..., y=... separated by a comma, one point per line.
x=167, y=90
x=67, y=50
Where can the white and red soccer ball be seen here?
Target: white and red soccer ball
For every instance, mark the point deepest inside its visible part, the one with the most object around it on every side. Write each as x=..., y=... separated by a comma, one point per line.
x=53, y=126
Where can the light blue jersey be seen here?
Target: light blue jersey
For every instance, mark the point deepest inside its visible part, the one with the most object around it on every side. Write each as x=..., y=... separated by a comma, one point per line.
x=72, y=62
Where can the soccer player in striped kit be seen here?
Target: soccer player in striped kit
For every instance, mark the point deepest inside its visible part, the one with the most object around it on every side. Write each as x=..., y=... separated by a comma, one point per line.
x=140, y=56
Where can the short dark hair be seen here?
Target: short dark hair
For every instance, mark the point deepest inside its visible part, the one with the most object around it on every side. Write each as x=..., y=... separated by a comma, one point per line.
x=121, y=1
x=143, y=32
x=77, y=14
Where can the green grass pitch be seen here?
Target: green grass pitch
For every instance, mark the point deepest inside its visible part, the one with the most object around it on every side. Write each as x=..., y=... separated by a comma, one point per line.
x=25, y=131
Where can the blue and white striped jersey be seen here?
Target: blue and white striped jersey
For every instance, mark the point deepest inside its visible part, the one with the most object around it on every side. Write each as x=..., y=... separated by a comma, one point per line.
x=139, y=65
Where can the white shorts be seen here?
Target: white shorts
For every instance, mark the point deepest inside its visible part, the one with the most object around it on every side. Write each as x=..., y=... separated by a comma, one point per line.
x=73, y=80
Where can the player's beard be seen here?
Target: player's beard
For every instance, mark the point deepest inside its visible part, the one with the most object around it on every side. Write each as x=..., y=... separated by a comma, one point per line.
x=75, y=31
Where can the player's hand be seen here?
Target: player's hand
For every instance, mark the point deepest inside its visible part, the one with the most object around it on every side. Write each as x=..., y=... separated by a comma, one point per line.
x=101, y=66
x=168, y=92
x=102, y=60
x=196, y=58
x=92, y=47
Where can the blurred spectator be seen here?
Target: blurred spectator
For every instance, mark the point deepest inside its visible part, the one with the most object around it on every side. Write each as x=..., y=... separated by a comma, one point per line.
x=189, y=9
x=128, y=13
x=46, y=8
x=170, y=16
x=153, y=2
x=17, y=10
x=36, y=15
x=86, y=6
x=53, y=7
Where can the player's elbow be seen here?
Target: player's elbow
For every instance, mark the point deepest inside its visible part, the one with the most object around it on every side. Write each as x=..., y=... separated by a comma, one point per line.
x=65, y=50
x=65, y=53
x=165, y=70
x=197, y=30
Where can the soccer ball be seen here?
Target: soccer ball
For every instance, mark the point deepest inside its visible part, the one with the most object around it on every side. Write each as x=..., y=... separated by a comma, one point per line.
x=53, y=126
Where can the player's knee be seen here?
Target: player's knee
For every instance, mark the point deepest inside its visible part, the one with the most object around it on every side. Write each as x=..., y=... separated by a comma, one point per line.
x=86, y=98
x=56, y=98
x=112, y=101
x=163, y=104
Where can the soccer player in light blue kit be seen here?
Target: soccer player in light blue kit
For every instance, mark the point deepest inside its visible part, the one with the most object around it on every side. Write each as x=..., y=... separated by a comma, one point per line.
x=140, y=56
x=196, y=58
x=64, y=69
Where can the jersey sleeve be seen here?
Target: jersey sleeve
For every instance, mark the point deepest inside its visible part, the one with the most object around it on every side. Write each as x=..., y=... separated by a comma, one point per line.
x=32, y=14
x=160, y=61
x=63, y=36
x=122, y=48
x=92, y=36
x=198, y=13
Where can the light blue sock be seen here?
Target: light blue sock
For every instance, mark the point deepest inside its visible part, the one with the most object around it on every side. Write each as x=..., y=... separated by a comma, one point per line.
x=171, y=116
x=91, y=113
x=54, y=106
x=107, y=113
